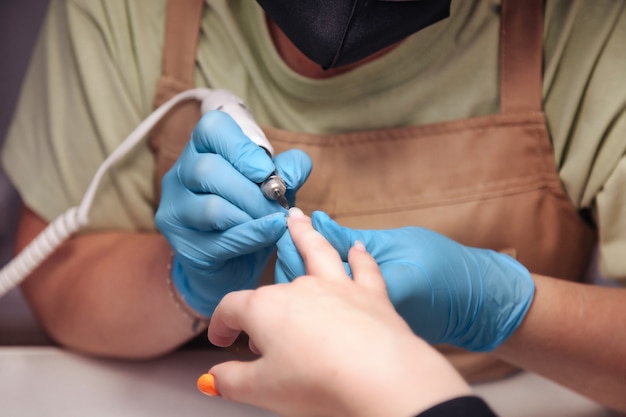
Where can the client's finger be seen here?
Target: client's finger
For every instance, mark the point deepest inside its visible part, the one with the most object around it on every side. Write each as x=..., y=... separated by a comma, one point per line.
x=365, y=270
x=229, y=318
x=320, y=258
x=236, y=381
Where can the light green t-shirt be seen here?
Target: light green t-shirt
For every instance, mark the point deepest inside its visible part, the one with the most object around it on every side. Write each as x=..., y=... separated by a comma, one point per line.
x=93, y=77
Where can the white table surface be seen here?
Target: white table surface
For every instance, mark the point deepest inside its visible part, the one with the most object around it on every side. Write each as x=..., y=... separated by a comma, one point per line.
x=48, y=381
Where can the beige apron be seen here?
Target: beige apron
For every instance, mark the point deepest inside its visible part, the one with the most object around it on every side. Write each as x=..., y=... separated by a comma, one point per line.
x=486, y=182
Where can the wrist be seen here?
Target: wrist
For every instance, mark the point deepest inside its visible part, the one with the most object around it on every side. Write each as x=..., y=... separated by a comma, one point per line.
x=508, y=291
x=198, y=321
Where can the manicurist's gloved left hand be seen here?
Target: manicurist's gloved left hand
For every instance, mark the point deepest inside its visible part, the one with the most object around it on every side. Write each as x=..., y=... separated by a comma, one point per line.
x=220, y=226
x=448, y=293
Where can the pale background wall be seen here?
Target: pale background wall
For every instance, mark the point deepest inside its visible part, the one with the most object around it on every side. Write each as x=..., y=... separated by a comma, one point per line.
x=19, y=24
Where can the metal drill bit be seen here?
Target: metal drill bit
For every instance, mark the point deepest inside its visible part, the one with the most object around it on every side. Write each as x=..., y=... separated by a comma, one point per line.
x=282, y=200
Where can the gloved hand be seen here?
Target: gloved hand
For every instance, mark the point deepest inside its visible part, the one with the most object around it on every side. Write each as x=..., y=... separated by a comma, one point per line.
x=448, y=293
x=212, y=211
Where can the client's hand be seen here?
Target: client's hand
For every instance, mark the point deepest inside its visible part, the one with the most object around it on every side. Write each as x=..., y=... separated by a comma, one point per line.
x=328, y=345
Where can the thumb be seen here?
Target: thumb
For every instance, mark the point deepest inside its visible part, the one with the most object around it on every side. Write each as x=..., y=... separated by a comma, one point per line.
x=294, y=166
x=237, y=381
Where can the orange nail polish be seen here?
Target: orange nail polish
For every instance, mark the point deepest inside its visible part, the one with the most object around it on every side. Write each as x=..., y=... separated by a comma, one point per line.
x=206, y=384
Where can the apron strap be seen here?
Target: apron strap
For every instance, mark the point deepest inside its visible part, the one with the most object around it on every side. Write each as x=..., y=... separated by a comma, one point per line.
x=520, y=72
x=521, y=41
x=171, y=134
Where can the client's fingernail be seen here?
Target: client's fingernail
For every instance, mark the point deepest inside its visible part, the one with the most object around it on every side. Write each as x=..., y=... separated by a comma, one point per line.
x=358, y=245
x=206, y=384
x=296, y=213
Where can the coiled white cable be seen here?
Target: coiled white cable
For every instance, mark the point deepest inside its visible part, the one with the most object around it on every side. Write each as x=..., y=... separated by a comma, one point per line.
x=77, y=217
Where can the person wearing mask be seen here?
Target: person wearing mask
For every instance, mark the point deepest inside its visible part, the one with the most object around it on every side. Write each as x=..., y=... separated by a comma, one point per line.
x=482, y=152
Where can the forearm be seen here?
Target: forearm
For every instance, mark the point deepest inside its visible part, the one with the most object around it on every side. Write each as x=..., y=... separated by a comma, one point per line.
x=575, y=335
x=107, y=294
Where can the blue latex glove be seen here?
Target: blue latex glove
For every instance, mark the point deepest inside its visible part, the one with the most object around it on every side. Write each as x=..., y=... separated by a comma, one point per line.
x=212, y=212
x=448, y=293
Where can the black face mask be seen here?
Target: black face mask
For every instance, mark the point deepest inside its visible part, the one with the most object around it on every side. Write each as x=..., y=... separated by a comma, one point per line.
x=339, y=32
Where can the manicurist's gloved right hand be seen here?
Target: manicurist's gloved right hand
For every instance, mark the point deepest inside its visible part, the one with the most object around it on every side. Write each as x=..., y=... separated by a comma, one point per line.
x=447, y=292
x=221, y=227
